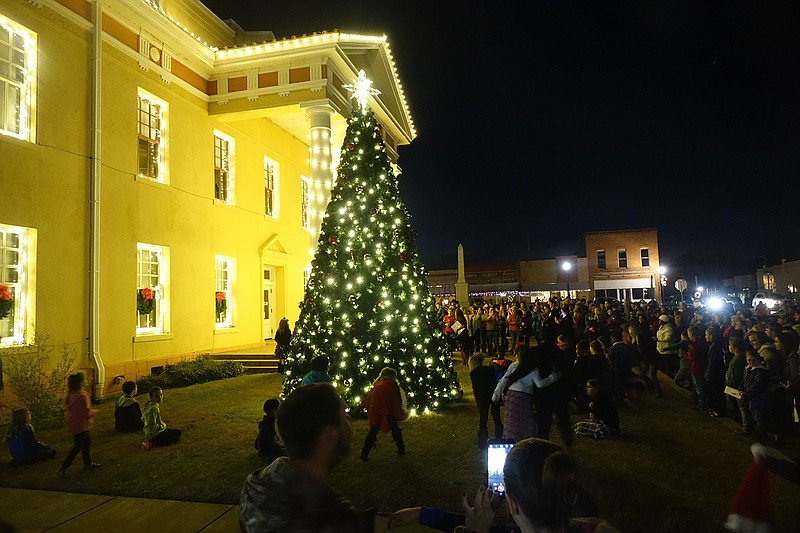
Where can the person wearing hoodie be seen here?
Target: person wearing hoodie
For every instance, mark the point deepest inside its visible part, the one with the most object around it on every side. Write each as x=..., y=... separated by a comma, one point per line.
x=155, y=429
x=127, y=412
x=385, y=408
x=79, y=414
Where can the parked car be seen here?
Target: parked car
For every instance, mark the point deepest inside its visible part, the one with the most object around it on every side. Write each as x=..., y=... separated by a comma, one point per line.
x=771, y=300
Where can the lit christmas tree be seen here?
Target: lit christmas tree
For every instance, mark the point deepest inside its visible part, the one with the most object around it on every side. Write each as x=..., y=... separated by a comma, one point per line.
x=367, y=303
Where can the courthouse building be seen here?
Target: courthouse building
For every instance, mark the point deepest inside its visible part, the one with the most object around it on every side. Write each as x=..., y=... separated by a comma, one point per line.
x=165, y=174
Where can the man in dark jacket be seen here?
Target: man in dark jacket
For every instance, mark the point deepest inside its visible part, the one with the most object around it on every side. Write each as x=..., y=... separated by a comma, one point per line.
x=292, y=494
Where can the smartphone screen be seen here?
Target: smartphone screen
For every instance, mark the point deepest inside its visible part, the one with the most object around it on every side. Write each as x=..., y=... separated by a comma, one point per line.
x=496, y=453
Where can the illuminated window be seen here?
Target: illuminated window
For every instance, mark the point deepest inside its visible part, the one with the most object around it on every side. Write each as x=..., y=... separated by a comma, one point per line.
x=152, y=123
x=270, y=188
x=304, y=204
x=622, y=255
x=152, y=289
x=17, y=253
x=601, y=259
x=223, y=286
x=645, y=257
x=223, y=168
x=17, y=80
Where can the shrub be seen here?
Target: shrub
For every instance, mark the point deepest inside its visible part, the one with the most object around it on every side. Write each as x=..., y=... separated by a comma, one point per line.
x=38, y=378
x=190, y=372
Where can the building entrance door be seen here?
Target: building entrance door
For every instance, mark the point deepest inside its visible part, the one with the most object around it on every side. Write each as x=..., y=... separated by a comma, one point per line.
x=268, y=302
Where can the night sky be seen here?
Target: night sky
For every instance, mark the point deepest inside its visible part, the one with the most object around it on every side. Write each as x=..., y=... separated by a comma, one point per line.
x=540, y=122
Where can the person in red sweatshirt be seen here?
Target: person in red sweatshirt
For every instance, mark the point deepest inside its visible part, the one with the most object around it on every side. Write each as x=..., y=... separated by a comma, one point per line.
x=385, y=407
x=79, y=412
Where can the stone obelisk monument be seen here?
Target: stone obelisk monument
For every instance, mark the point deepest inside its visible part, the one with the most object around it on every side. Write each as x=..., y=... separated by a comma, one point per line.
x=462, y=291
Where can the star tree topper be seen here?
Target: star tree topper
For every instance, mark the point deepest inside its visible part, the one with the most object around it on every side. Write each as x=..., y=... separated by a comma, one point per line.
x=361, y=90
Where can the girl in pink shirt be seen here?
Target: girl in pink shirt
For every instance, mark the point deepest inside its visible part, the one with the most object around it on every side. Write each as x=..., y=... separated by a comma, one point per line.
x=79, y=412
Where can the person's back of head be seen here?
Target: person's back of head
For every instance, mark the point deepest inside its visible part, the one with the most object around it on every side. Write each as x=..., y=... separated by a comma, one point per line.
x=271, y=405
x=19, y=421
x=388, y=373
x=541, y=485
x=303, y=416
x=320, y=363
x=475, y=361
x=75, y=382
x=129, y=387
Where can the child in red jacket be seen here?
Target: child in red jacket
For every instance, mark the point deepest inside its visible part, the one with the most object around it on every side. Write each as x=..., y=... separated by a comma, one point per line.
x=385, y=407
x=79, y=412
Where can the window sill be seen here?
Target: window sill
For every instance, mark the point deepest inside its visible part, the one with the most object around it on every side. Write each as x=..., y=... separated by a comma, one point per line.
x=151, y=182
x=150, y=337
x=217, y=201
x=226, y=330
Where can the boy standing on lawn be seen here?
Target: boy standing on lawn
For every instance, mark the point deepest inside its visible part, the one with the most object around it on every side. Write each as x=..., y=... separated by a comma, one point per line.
x=155, y=429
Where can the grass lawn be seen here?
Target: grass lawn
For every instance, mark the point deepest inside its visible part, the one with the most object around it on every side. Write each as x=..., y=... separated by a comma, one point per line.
x=671, y=470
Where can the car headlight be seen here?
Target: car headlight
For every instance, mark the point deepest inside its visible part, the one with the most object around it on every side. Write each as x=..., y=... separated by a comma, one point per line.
x=769, y=302
x=715, y=303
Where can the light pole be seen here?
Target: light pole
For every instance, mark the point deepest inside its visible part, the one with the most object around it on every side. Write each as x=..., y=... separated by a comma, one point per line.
x=662, y=271
x=566, y=266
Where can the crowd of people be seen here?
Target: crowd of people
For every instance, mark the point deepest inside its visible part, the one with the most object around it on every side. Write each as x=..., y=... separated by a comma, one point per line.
x=568, y=357
x=574, y=354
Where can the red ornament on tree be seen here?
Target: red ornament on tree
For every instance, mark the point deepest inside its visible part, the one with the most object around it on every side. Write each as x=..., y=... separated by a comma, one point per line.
x=332, y=239
x=378, y=127
x=309, y=302
x=350, y=147
x=373, y=211
x=401, y=256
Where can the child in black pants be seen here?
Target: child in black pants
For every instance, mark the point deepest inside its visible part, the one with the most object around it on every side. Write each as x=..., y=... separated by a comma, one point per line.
x=483, y=385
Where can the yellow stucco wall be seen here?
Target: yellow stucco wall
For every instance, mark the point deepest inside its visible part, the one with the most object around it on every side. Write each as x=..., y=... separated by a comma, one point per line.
x=45, y=182
x=184, y=217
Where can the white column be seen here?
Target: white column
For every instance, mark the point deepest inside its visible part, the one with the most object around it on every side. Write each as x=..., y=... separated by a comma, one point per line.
x=319, y=114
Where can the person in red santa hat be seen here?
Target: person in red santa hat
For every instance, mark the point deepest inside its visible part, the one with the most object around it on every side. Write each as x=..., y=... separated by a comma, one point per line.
x=385, y=408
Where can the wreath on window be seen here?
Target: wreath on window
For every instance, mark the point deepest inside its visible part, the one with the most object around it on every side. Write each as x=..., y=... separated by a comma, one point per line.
x=145, y=303
x=221, y=303
x=6, y=301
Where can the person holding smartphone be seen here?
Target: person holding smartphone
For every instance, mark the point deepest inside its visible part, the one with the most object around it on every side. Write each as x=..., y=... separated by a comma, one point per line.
x=543, y=494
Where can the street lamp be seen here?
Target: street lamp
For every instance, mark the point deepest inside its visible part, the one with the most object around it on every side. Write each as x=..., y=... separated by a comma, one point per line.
x=662, y=271
x=566, y=266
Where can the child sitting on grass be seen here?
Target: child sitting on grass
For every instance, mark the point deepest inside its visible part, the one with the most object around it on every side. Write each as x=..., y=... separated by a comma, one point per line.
x=267, y=443
x=603, y=416
x=127, y=413
x=155, y=429
x=21, y=440
x=78, y=408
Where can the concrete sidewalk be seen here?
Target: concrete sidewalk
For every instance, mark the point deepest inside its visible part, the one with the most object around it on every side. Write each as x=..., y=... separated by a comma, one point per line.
x=40, y=510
